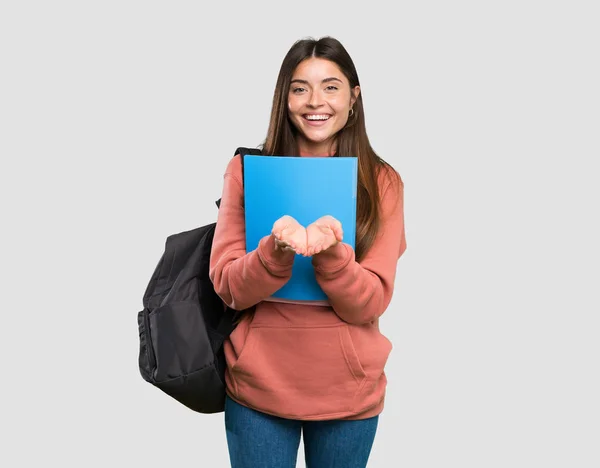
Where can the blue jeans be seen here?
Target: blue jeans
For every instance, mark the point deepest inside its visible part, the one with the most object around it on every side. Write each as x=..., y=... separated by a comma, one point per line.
x=258, y=440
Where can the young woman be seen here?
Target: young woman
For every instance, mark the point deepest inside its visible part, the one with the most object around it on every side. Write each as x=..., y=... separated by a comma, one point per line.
x=295, y=368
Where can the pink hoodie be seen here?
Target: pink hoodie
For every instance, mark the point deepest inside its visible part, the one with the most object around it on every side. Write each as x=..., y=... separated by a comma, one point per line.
x=303, y=361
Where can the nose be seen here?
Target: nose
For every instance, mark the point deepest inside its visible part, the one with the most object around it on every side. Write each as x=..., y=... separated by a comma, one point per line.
x=315, y=99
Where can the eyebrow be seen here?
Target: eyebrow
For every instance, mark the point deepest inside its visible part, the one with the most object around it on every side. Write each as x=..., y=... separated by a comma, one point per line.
x=326, y=80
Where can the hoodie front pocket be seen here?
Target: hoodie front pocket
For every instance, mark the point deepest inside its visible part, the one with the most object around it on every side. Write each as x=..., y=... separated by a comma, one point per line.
x=299, y=372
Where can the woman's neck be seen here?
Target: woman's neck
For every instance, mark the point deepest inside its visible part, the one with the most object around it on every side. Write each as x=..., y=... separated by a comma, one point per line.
x=322, y=153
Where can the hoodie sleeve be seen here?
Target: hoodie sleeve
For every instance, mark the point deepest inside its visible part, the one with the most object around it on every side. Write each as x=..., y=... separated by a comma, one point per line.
x=360, y=292
x=243, y=279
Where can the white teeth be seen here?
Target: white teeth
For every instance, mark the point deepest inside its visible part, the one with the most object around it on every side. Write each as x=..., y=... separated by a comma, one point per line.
x=317, y=117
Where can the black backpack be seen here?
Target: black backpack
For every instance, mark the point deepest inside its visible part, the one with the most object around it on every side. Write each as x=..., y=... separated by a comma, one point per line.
x=184, y=322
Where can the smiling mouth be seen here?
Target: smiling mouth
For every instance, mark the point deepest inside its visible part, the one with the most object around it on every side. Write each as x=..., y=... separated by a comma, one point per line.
x=316, y=117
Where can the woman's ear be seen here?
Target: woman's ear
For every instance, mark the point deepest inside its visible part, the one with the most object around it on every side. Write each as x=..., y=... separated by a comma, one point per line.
x=354, y=95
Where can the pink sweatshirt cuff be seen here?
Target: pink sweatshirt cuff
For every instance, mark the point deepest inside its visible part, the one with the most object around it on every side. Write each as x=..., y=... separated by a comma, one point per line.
x=334, y=259
x=277, y=262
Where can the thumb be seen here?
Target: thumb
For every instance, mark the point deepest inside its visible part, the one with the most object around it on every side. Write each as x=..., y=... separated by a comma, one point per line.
x=337, y=230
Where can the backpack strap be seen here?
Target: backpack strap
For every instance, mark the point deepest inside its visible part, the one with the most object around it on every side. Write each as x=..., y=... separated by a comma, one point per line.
x=243, y=152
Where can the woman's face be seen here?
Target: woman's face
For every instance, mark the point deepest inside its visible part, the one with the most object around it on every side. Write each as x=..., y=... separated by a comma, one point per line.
x=319, y=102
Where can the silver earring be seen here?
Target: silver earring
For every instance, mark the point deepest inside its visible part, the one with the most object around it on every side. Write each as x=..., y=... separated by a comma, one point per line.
x=351, y=112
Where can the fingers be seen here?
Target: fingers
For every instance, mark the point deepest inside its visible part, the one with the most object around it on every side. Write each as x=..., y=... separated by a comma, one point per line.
x=336, y=227
x=288, y=234
x=290, y=240
x=333, y=224
x=277, y=230
x=318, y=248
x=280, y=232
x=314, y=250
x=282, y=223
x=320, y=241
x=316, y=238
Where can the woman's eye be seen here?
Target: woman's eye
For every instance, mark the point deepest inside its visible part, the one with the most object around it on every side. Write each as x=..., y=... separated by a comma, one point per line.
x=297, y=90
x=331, y=88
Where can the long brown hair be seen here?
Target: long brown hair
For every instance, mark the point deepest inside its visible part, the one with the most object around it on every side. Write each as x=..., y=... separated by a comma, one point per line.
x=352, y=140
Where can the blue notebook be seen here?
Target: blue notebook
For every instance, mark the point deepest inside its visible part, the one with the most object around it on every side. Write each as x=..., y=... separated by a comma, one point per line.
x=305, y=188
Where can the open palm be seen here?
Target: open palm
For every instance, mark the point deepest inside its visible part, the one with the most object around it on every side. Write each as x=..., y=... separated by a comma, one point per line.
x=290, y=235
x=324, y=233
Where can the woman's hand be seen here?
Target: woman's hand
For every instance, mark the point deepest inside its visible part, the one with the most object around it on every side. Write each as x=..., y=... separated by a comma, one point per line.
x=324, y=233
x=289, y=235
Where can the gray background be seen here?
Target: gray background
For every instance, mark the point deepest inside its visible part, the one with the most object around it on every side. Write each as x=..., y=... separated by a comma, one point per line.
x=117, y=120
